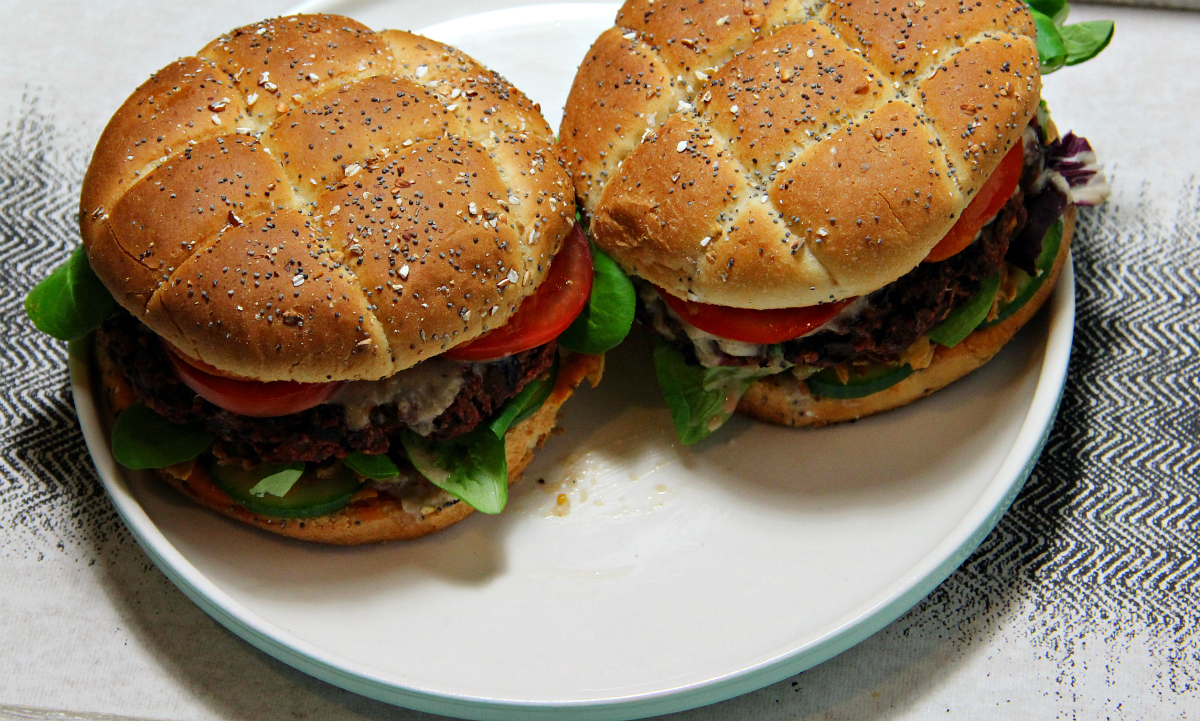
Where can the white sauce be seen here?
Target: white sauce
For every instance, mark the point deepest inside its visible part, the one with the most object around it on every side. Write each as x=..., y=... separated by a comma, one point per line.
x=707, y=345
x=421, y=394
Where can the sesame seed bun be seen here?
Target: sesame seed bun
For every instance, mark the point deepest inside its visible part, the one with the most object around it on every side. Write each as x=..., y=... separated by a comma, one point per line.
x=305, y=199
x=783, y=400
x=371, y=516
x=766, y=154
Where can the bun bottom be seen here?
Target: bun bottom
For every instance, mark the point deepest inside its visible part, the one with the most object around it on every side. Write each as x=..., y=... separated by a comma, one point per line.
x=370, y=517
x=783, y=400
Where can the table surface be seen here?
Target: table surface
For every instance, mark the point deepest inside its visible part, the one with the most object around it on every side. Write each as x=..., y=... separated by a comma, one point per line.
x=1081, y=604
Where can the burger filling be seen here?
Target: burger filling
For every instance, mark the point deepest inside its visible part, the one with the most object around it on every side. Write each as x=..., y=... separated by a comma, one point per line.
x=891, y=325
x=861, y=346
x=440, y=399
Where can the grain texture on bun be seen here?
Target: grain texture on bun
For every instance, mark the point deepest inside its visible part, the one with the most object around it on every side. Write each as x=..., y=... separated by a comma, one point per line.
x=340, y=204
x=771, y=155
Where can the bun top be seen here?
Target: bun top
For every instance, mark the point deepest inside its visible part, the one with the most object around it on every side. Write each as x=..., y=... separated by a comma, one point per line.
x=308, y=200
x=768, y=154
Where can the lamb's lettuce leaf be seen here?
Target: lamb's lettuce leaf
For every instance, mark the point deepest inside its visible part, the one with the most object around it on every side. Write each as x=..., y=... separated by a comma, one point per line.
x=701, y=399
x=379, y=467
x=279, y=481
x=143, y=439
x=1060, y=44
x=474, y=467
x=608, y=315
x=70, y=302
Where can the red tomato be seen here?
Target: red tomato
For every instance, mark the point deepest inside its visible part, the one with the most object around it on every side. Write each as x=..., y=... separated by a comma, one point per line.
x=257, y=399
x=986, y=204
x=543, y=316
x=774, y=325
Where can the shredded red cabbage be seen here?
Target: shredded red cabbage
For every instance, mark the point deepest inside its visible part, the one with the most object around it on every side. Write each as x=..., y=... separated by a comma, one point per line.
x=1072, y=157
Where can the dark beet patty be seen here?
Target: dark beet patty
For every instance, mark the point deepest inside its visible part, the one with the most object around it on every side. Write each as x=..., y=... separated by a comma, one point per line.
x=321, y=432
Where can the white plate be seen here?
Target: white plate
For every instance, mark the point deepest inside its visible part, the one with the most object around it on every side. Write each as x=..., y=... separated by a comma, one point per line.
x=671, y=577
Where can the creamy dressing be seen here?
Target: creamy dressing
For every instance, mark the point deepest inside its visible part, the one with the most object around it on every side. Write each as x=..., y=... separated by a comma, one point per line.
x=709, y=347
x=420, y=394
x=417, y=496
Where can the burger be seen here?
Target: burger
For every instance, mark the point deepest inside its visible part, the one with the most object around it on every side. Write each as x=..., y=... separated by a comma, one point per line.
x=336, y=274
x=829, y=209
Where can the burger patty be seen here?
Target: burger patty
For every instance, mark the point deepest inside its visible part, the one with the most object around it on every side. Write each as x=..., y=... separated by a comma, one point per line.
x=321, y=432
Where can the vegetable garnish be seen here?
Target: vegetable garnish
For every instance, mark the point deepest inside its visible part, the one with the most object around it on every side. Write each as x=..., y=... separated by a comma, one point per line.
x=474, y=467
x=543, y=316
x=143, y=439
x=525, y=403
x=859, y=383
x=292, y=490
x=1060, y=45
x=963, y=320
x=701, y=399
x=989, y=200
x=748, y=325
x=1026, y=285
x=279, y=480
x=70, y=302
x=379, y=467
x=257, y=399
x=608, y=315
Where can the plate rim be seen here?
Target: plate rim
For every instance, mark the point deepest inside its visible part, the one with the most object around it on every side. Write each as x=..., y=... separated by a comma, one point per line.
x=885, y=608
x=859, y=623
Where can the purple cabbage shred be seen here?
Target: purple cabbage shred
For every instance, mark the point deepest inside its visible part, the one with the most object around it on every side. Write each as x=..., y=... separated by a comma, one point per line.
x=1072, y=158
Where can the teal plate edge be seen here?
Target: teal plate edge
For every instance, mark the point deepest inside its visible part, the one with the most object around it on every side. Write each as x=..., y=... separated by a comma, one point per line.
x=1011, y=477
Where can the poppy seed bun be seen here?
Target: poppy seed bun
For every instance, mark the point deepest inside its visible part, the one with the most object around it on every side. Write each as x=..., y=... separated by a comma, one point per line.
x=766, y=154
x=783, y=400
x=308, y=200
x=369, y=517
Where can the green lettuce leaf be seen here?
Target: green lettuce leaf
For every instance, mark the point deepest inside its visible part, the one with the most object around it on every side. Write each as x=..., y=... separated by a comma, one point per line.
x=525, y=403
x=142, y=439
x=71, y=302
x=1052, y=50
x=1056, y=10
x=1060, y=44
x=279, y=480
x=472, y=468
x=379, y=467
x=1084, y=41
x=701, y=399
x=608, y=315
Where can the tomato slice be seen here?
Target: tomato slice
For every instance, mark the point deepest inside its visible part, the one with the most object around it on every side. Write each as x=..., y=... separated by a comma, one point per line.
x=774, y=325
x=544, y=315
x=987, y=203
x=257, y=399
